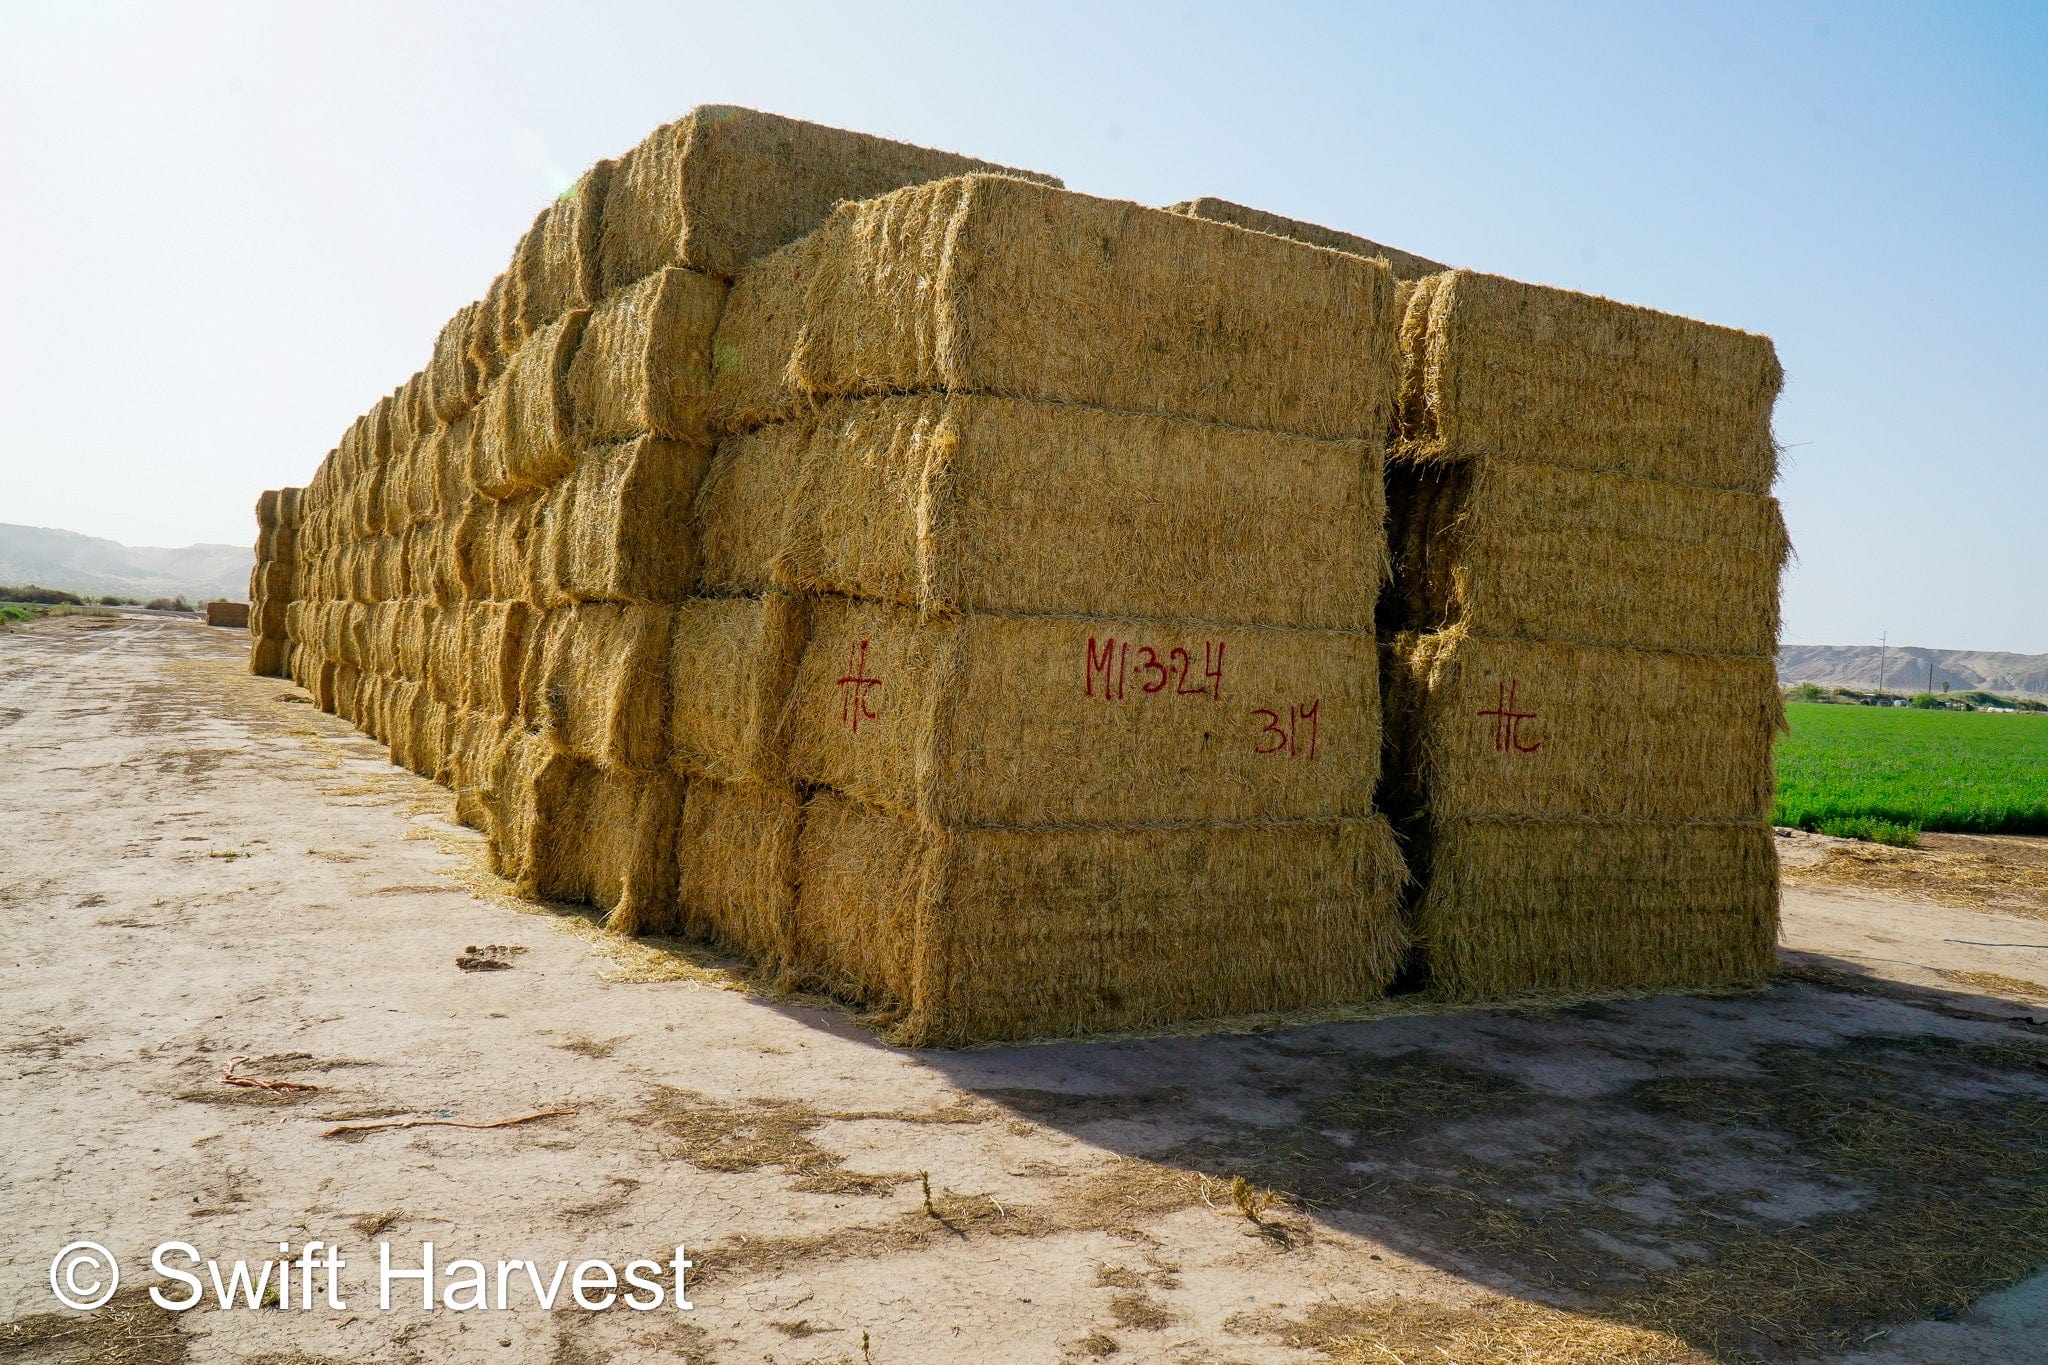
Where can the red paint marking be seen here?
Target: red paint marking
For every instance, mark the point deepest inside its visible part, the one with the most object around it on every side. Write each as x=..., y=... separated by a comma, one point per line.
x=854, y=689
x=1287, y=738
x=1099, y=663
x=1507, y=721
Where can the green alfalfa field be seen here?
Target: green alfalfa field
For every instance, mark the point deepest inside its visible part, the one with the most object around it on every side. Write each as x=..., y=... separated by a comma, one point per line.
x=1885, y=772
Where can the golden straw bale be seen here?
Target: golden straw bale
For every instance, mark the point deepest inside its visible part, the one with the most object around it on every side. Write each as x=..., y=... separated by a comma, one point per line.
x=983, y=935
x=732, y=661
x=603, y=837
x=267, y=517
x=270, y=580
x=1513, y=907
x=453, y=381
x=1540, y=552
x=736, y=867
x=597, y=682
x=967, y=503
x=1521, y=729
x=523, y=440
x=1405, y=265
x=491, y=547
x=267, y=656
x=495, y=642
x=723, y=185
x=268, y=618
x=742, y=510
x=1051, y=720
x=618, y=528
x=277, y=543
x=994, y=285
x=487, y=349
x=644, y=364
x=554, y=267
x=1496, y=368
x=231, y=614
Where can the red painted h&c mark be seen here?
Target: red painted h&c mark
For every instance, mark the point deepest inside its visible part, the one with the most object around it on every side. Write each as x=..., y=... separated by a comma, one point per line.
x=1507, y=721
x=854, y=689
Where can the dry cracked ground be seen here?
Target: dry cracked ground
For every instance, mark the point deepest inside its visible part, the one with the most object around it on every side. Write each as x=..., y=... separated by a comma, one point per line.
x=198, y=867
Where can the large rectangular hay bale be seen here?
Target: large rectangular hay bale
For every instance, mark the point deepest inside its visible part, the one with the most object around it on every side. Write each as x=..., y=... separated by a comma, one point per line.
x=236, y=615
x=1535, y=551
x=596, y=681
x=988, y=284
x=1516, y=729
x=1048, y=720
x=1496, y=368
x=737, y=867
x=1514, y=907
x=494, y=644
x=555, y=266
x=958, y=502
x=454, y=384
x=1405, y=265
x=644, y=362
x=723, y=185
x=982, y=935
x=524, y=434
x=601, y=836
x=618, y=528
x=732, y=662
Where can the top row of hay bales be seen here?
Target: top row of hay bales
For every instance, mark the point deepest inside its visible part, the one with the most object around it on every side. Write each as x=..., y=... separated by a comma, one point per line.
x=961, y=594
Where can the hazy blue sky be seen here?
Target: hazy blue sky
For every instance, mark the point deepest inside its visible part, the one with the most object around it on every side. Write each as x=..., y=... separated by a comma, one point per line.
x=229, y=228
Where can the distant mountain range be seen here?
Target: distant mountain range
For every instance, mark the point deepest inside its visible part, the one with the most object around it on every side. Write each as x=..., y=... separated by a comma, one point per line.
x=86, y=565
x=1906, y=669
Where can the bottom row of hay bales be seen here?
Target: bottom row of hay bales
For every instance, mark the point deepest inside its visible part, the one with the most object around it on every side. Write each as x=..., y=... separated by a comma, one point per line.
x=951, y=929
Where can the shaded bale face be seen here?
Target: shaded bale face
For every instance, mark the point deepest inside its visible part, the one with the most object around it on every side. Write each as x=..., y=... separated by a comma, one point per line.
x=524, y=439
x=969, y=503
x=454, y=382
x=737, y=867
x=555, y=266
x=596, y=681
x=1495, y=368
x=1405, y=265
x=984, y=935
x=979, y=284
x=1534, y=551
x=644, y=362
x=1513, y=907
x=601, y=836
x=1036, y=720
x=618, y=528
x=732, y=664
x=1523, y=730
x=723, y=185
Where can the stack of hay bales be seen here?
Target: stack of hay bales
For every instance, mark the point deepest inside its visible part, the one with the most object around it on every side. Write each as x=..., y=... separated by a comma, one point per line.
x=490, y=564
x=1585, y=612
x=270, y=582
x=1065, y=636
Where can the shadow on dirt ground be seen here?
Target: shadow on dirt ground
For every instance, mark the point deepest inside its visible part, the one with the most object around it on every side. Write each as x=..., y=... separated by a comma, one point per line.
x=1764, y=1177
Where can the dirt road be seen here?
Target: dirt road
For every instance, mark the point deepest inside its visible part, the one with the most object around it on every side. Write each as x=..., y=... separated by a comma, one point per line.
x=199, y=867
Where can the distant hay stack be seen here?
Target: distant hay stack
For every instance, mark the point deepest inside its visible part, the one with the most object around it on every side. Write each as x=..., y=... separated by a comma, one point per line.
x=1579, y=671
x=271, y=587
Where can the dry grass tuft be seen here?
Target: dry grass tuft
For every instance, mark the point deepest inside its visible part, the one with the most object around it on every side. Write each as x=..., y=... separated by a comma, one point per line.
x=1981, y=875
x=129, y=1330
x=1489, y=1332
x=1995, y=983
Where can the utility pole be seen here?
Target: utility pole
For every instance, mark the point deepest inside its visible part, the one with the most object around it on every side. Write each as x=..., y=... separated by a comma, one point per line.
x=1884, y=641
